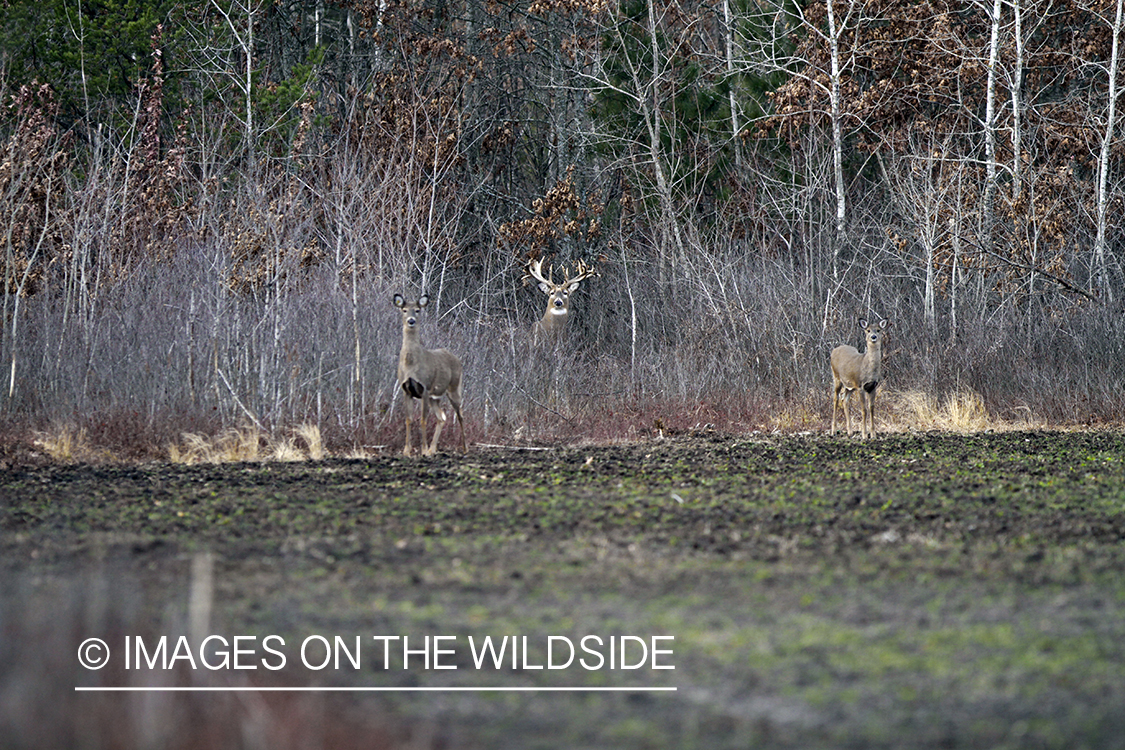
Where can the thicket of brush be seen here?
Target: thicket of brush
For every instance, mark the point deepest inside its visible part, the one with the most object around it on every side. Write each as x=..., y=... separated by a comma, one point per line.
x=187, y=342
x=732, y=340
x=177, y=273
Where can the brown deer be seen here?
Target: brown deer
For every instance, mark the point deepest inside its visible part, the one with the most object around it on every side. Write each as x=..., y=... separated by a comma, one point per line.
x=553, y=323
x=426, y=375
x=852, y=371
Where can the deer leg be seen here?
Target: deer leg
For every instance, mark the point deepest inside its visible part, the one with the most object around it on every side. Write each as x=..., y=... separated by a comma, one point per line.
x=408, y=407
x=437, y=427
x=455, y=400
x=871, y=409
x=868, y=403
x=425, y=414
x=862, y=396
x=847, y=413
x=835, y=403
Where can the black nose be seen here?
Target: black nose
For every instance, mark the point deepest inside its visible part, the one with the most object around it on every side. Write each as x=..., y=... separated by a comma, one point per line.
x=558, y=303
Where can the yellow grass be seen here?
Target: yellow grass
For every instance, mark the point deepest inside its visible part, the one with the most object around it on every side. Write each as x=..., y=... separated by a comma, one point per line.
x=247, y=443
x=285, y=449
x=799, y=416
x=64, y=443
x=310, y=433
x=231, y=445
x=962, y=410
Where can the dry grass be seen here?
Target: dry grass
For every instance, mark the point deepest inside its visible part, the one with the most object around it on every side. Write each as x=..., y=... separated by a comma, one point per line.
x=231, y=445
x=284, y=449
x=310, y=434
x=247, y=443
x=799, y=416
x=962, y=411
x=65, y=443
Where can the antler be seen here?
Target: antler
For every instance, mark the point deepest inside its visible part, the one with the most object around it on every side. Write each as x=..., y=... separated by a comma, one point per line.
x=583, y=271
x=535, y=270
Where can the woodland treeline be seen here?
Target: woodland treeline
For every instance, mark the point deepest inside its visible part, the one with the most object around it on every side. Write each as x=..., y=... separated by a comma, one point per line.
x=206, y=206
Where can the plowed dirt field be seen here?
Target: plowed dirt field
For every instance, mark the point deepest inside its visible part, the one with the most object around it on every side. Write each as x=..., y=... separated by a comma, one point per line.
x=916, y=591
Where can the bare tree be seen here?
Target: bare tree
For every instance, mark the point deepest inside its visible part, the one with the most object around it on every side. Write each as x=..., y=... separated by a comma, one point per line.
x=989, y=193
x=1101, y=267
x=239, y=18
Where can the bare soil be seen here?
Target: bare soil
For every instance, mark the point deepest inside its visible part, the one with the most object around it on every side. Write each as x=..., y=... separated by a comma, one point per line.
x=923, y=590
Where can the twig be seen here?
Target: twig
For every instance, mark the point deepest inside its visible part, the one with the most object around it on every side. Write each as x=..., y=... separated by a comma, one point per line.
x=1032, y=269
x=513, y=447
x=237, y=401
x=557, y=413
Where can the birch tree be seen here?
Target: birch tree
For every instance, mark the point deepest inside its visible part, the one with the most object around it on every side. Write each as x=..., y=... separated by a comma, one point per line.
x=1101, y=262
x=989, y=198
x=639, y=73
x=240, y=17
x=816, y=46
x=834, y=32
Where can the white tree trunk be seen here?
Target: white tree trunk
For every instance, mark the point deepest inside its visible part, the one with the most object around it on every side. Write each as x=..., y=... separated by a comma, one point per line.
x=735, y=125
x=837, y=135
x=1017, y=107
x=652, y=116
x=990, y=127
x=1100, y=269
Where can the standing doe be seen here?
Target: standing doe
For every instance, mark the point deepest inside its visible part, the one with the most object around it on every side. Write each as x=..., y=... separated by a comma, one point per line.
x=553, y=323
x=852, y=371
x=426, y=375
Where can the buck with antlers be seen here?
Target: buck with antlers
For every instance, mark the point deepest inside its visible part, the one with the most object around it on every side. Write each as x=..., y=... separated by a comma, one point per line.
x=553, y=323
x=426, y=375
x=852, y=371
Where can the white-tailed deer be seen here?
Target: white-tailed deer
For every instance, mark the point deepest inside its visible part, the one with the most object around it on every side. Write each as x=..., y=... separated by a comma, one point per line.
x=852, y=371
x=426, y=375
x=553, y=322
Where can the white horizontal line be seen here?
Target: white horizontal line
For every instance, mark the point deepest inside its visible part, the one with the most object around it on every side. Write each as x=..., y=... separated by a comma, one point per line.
x=309, y=689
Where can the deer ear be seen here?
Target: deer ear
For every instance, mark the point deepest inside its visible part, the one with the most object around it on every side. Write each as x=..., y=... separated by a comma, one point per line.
x=423, y=300
x=398, y=300
x=572, y=288
x=884, y=323
x=544, y=287
x=863, y=322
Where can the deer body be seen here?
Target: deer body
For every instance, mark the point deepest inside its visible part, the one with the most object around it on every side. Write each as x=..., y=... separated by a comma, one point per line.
x=553, y=323
x=426, y=375
x=852, y=371
x=554, y=319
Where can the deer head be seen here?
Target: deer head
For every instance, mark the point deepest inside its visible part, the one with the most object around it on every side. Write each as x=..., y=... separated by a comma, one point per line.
x=554, y=319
